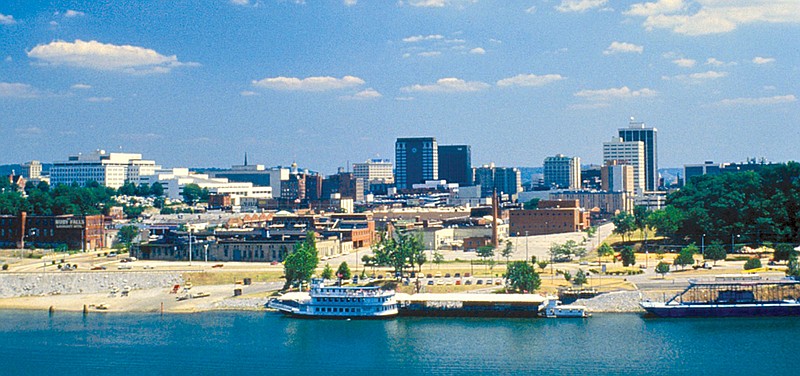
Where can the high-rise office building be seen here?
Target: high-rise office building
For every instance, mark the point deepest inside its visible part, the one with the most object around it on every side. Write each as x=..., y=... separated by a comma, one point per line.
x=561, y=171
x=617, y=177
x=630, y=153
x=417, y=161
x=506, y=180
x=108, y=169
x=455, y=164
x=637, y=131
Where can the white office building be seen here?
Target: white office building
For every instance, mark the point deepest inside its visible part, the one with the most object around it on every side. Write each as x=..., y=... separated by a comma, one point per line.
x=627, y=152
x=173, y=180
x=108, y=169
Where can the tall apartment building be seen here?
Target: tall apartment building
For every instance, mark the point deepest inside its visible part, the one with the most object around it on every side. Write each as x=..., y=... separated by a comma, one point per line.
x=417, y=161
x=630, y=153
x=32, y=170
x=374, y=172
x=506, y=180
x=637, y=131
x=108, y=169
x=455, y=164
x=617, y=177
x=561, y=171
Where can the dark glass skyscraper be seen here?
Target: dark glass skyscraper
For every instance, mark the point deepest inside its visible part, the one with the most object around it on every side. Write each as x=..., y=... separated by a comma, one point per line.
x=455, y=164
x=417, y=160
x=637, y=131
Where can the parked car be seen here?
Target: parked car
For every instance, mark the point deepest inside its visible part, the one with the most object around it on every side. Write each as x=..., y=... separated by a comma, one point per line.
x=457, y=275
x=99, y=267
x=123, y=267
x=429, y=275
x=447, y=275
x=430, y=282
x=467, y=275
x=468, y=282
x=480, y=282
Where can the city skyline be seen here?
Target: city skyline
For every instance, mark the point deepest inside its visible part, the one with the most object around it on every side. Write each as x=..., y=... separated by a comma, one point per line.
x=285, y=81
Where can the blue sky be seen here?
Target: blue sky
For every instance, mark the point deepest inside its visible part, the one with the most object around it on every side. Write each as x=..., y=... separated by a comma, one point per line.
x=199, y=83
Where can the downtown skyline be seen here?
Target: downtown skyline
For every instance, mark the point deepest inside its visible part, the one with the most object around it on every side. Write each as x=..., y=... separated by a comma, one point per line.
x=327, y=83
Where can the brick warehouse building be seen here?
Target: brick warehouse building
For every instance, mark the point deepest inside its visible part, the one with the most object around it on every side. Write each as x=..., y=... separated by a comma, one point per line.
x=76, y=232
x=551, y=217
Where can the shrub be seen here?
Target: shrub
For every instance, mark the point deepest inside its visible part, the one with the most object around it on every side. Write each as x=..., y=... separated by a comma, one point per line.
x=5, y=266
x=753, y=263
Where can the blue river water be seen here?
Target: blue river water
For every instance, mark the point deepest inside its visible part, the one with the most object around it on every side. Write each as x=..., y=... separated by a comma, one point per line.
x=265, y=343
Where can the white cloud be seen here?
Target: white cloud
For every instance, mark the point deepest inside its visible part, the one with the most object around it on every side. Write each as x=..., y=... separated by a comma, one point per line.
x=429, y=53
x=701, y=17
x=7, y=19
x=622, y=47
x=763, y=60
x=73, y=13
x=18, y=90
x=107, y=57
x=718, y=63
x=697, y=77
x=448, y=85
x=428, y=3
x=684, y=62
x=477, y=51
x=248, y=93
x=28, y=131
x=81, y=86
x=763, y=101
x=420, y=38
x=99, y=99
x=404, y=99
x=624, y=92
x=531, y=10
x=308, y=84
x=659, y=7
x=529, y=80
x=240, y=2
x=579, y=5
x=365, y=94
x=350, y=3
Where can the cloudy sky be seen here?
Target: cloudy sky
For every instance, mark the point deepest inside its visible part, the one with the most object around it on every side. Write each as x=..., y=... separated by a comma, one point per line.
x=200, y=83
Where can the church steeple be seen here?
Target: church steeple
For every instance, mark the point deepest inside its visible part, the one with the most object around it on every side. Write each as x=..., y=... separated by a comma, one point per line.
x=245, y=158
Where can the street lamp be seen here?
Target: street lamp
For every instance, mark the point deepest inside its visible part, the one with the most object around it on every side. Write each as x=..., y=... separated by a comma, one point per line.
x=703, y=245
x=733, y=244
x=526, y=247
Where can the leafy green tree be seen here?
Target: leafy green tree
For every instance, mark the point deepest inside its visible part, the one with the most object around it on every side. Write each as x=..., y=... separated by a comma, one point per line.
x=640, y=218
x=191, y=193
x=624, y=223
x=157, y=189
x=715, y=251
x=327, y=272
x=604, y=250
x=299, y=265
x=686, y=256
x=667, y=221
x=420, y=259
x=662, y=268
x=793, y=268
x=753, y=263
x=542, y=264
x=127, y=234
x=127, y=189
x=344, y=271
x=628, y=256
x=567, y=276
x=521, y=277
x=531, y=205
x=783, y=252
x=507, y=251
x=438, y=258
x=580, y=278
x=485, y=252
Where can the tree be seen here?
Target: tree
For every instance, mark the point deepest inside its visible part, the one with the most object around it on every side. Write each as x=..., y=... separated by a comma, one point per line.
x=299, y=265
x=438, y=258
x=662, y=268
x=686, y=256
x=753, y=263
x=542, y=264
x=127, y=234
x=715, y=251
x=567, y=276
x=507, y=251
x=485, y=252
x=628, y=256
x=783, y=252
x=344, y=271
x=531, y=205
x=327, y=272
x=624, y=223
x=521, y=277
x=604, y=250
x=640, y=218
x=157, y=189
x=192, y=194
x=793, y=268
x=580, y=278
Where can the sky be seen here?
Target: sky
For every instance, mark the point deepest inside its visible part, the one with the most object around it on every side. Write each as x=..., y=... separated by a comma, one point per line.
x=327, y=83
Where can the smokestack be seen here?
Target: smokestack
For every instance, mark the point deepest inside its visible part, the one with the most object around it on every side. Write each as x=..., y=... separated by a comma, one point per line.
x=495, y=240
x=22, y=218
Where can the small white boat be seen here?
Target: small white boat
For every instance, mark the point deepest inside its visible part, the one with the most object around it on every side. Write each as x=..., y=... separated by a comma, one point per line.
x=553, y=308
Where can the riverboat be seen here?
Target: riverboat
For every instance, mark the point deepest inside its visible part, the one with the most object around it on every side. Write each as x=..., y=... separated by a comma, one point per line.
x=338, y=302
x=731, y=296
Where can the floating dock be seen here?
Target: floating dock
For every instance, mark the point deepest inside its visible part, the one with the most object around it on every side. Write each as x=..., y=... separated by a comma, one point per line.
x=471, y=305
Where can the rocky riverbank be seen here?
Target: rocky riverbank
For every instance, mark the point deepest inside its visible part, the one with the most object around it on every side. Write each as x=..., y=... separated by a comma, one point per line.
x=617, y=302
x=64, y=283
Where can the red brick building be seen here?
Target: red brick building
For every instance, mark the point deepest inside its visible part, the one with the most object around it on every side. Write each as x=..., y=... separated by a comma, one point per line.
x=84, y=233
x=551, y=217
